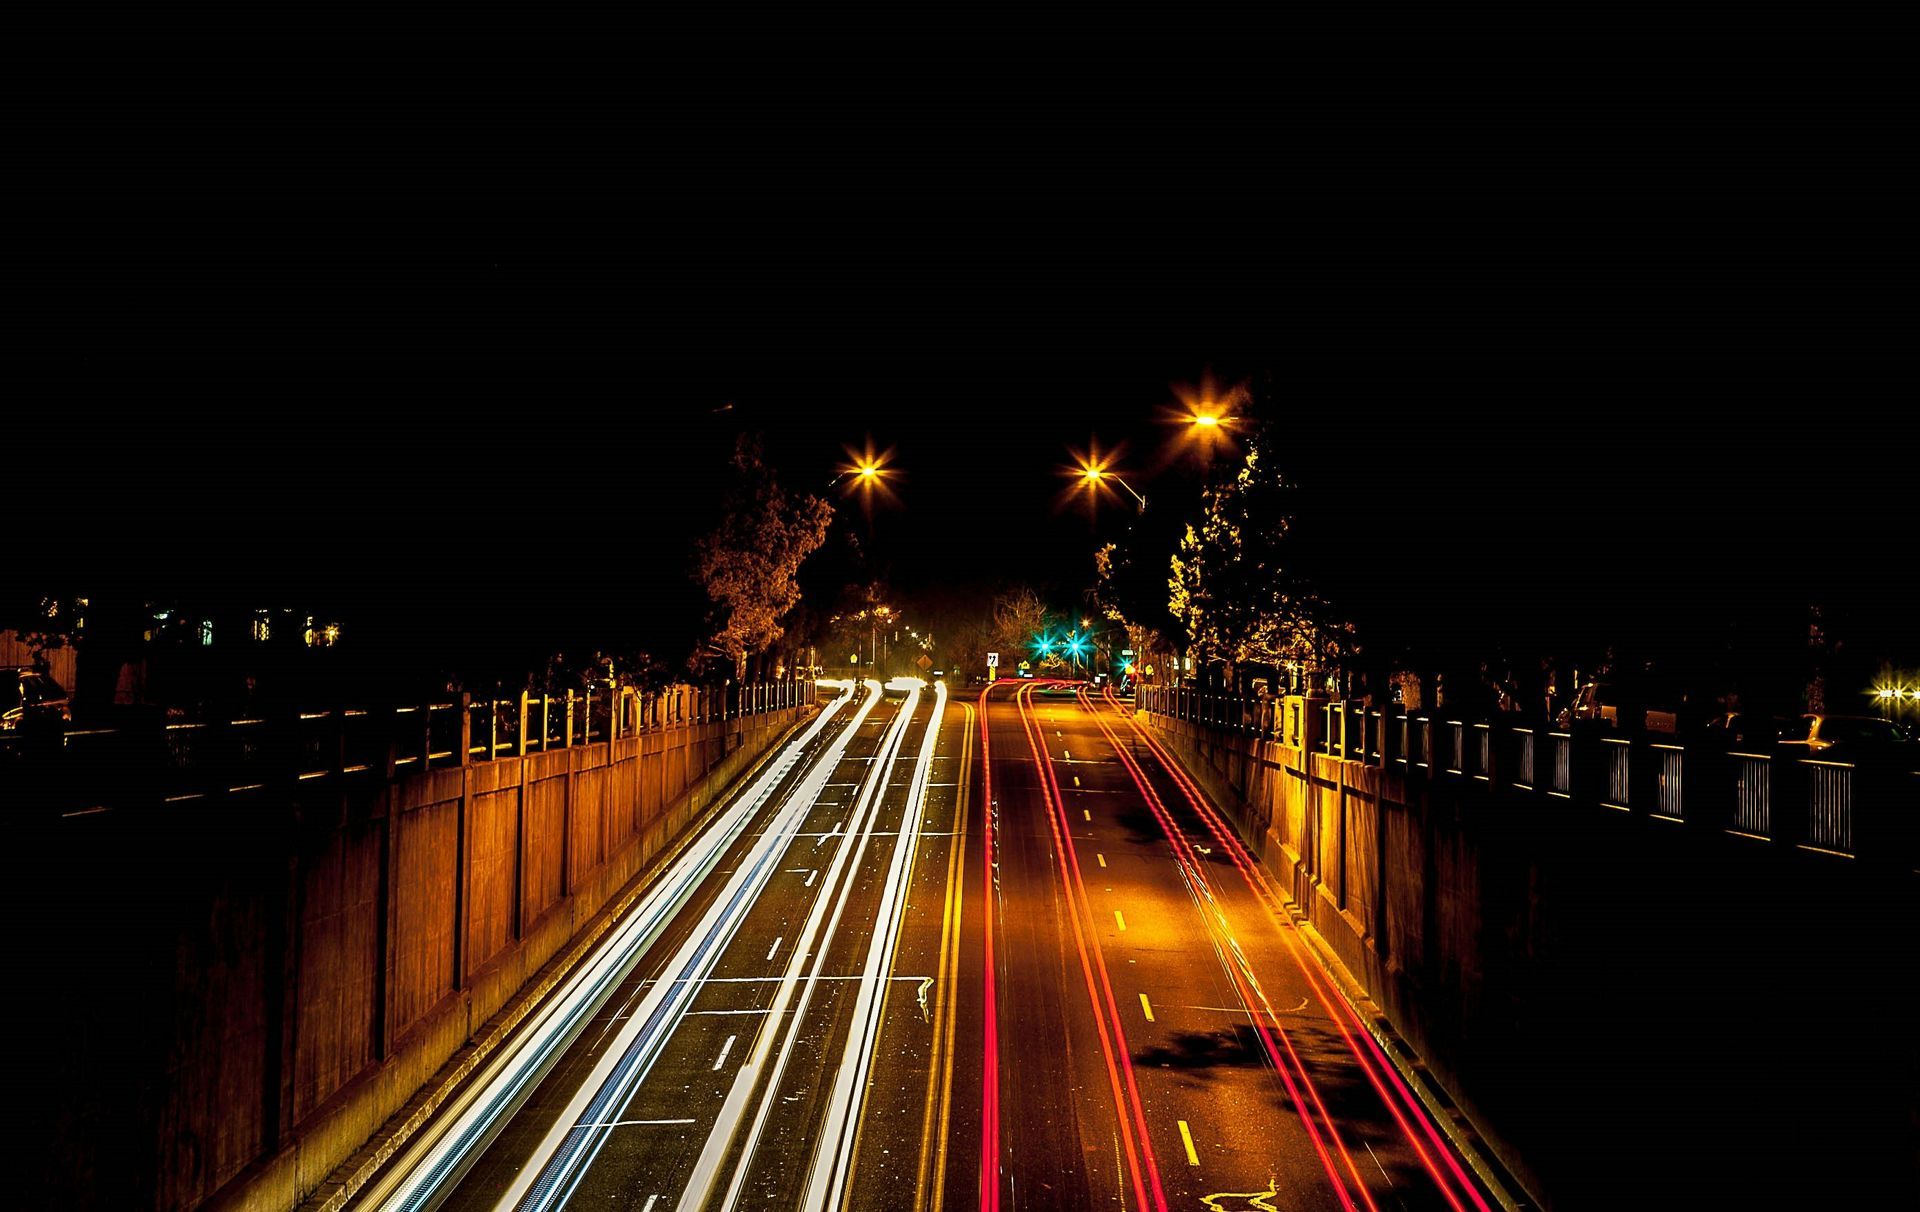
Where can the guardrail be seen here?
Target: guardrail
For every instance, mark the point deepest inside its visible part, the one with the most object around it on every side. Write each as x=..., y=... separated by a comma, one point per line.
x=85, y=770
x=1846, y=808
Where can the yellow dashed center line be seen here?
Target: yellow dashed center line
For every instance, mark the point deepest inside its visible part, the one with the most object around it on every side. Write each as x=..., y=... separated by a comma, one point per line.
x=1102, y=858
x=1146, y=1007
x=1186, y=1138
x=1076, y=780
x=1121, y=921
x=1087, y=814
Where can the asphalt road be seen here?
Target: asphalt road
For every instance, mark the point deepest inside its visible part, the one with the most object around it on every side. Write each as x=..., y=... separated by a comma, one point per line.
x=994, y=955
x=1166, y=1039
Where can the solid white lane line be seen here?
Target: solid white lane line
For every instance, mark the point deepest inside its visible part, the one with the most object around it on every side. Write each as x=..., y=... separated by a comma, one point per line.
x=471, y=1120
x=724, y=1049
x=636, y=1123
x=692, y=1013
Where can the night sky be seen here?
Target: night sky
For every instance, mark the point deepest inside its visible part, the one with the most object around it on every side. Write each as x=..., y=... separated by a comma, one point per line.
x=461, y=339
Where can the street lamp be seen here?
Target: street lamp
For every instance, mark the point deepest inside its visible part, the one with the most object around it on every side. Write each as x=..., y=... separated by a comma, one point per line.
x=866, y=475
x=1208, y=416
x=1093, y=476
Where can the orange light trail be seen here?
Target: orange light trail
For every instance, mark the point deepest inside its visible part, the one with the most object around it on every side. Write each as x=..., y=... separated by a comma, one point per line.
x=1116, y=1043
x=1248, y=991
x=1372, y=1058
x=990, y=1061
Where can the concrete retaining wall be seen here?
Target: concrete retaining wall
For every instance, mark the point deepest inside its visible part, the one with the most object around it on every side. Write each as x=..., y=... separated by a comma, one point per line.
x=1635, y=1012
x=238, y=994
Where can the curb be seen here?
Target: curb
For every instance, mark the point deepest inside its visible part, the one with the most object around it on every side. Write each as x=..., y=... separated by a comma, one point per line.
x=1446, y=1113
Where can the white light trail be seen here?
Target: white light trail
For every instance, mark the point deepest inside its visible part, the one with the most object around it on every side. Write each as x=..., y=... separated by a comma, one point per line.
x=813, y=942
x=568, y=1150
x=833, y=1152
x=438, y=1155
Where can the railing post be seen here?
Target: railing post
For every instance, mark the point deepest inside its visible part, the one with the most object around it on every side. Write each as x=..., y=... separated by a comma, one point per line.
x=521, y=739
x=466, y=727
x=393, y=744
x=1313, y=717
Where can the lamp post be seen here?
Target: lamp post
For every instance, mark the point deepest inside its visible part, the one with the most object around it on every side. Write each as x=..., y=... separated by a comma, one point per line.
x=1093, y=475
x=868, y=473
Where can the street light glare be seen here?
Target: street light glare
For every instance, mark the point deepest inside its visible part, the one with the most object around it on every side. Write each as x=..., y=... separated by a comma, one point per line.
x=1208, y=415
x=867, y=473
x=1091, y=475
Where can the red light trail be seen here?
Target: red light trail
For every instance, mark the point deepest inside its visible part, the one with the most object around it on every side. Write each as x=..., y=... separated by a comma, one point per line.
x=1372, y=1058
x=1116, y=1043
x=990, y=1060
x=1288, y=1066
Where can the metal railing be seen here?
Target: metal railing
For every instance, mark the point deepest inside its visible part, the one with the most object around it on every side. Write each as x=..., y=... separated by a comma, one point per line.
x=1562, y=745
x=1524, y=760
x=1807, y=802
x=1619, y=756
x=1752, y=793
x=179, y=761
x=1669, y=790
x=1830, y=805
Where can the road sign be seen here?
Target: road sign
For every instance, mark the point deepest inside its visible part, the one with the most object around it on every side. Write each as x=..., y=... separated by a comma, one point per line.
x=925, y=662
x=993, y=660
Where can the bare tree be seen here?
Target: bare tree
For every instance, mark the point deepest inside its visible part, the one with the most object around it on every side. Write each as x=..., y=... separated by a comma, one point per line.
x=1019, y=615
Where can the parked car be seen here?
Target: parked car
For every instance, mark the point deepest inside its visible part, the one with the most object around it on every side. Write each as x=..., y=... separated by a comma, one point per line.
x=1748, y=730
x=1845, y=738
x=1645, y=701
x=30, y=698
